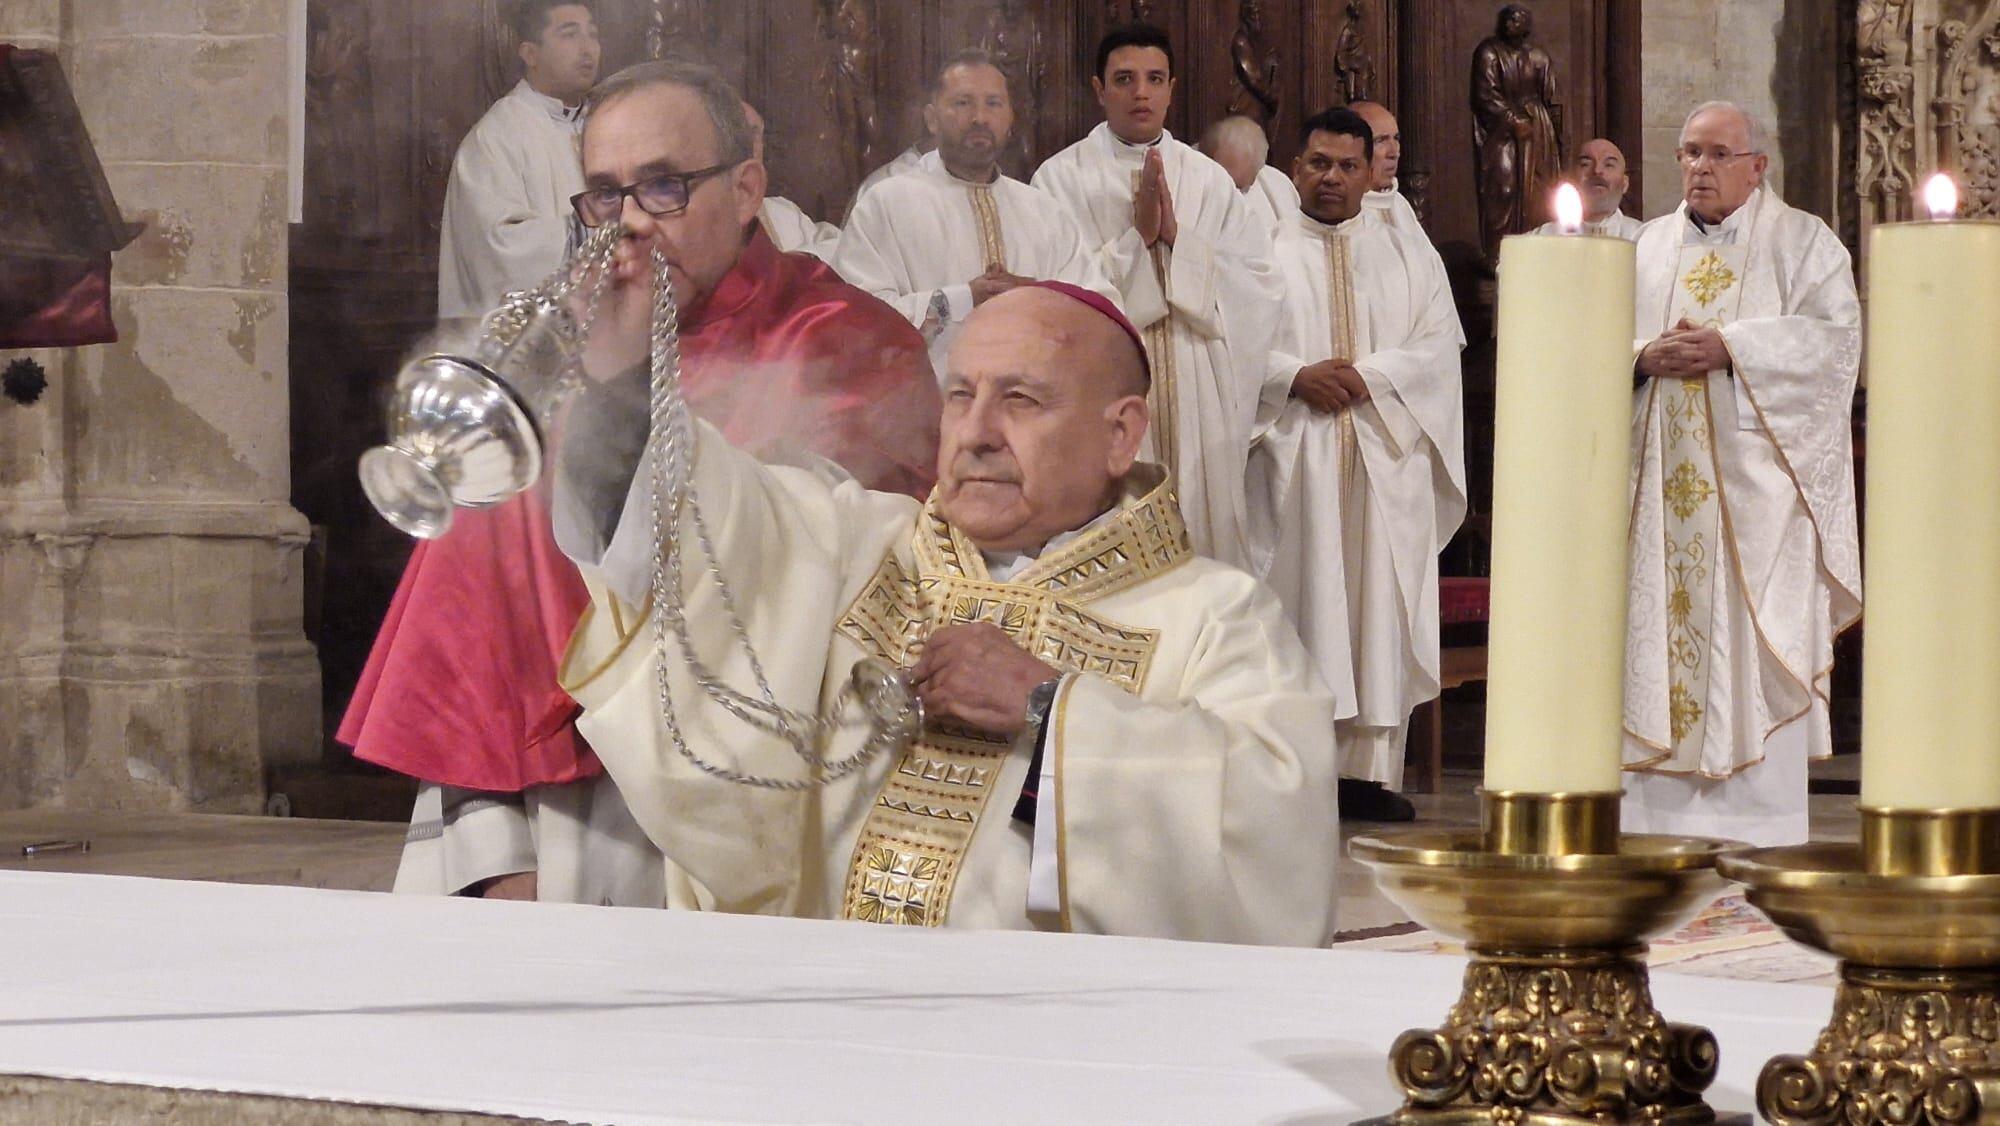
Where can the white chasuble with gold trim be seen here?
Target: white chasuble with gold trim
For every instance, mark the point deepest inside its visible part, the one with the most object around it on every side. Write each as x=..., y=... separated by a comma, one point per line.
x=1745, y=559
x=1350, y=509
x=1191, y=743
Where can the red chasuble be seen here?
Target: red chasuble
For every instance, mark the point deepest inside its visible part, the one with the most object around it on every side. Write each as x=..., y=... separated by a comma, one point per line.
x=460, y=687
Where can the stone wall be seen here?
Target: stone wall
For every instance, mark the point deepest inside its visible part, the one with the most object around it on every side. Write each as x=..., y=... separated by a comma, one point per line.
x=151, y=652
x=1779, y=59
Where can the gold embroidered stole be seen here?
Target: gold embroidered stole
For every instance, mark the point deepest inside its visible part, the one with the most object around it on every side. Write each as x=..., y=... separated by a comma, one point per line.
x=1340, y=339
x=1708, y=290
x=986, y=216
x=906, y=863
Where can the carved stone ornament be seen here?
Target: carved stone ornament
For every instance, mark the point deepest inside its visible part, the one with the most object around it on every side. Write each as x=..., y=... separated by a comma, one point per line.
x=1551, y=1040
x=1928, y=98
x=1904, y=1047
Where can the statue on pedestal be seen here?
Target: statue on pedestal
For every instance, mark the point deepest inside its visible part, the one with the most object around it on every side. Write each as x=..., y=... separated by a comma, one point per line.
x=1516, y=130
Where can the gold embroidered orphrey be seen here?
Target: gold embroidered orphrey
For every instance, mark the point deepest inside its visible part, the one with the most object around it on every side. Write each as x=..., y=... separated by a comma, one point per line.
x=906, y=863
x=1709, y=292
x=986, y=217
x=1341, y=324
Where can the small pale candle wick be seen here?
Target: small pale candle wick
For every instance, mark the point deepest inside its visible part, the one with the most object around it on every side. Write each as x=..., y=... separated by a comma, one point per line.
x=1941, y=196
x=1569, y=209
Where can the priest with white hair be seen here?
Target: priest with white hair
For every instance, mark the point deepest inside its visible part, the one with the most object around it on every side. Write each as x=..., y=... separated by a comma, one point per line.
x=1243, y=149
x=1191, y=259
x=956, y=231
x=1745, y=561
x=1357, y=479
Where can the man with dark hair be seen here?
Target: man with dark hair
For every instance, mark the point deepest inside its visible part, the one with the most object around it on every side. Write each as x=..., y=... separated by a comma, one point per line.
x=1191, y=261
x=506, y=206
x=942, y=239
x=776, y=352
x=1358, y=475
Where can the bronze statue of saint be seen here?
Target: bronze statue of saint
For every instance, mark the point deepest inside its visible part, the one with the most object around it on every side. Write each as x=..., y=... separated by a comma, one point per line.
x=1256, y=66
x=1516, y=130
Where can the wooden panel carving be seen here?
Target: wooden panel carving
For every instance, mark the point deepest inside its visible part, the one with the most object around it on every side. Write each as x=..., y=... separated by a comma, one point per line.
x=849, y=28
x=1255, y=65
x=679, y=28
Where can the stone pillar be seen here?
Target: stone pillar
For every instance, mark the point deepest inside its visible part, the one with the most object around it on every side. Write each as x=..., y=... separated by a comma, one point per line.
x=151, y=648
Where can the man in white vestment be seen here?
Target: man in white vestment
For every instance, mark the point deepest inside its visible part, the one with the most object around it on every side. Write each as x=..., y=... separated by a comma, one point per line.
x=1745, y=556
x=901, y=163
x=956, y=232
x=1118, y=736
x=1240, y=145
x=1385, y=190
x=1191, y=259
x=786, y=222
x=506, y=206
x=1601, y=179
x=1358, y=476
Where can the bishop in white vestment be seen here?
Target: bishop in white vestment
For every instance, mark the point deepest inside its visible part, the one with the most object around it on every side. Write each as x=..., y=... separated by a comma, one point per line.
x=1173, y=773
x=1191, y=260
x=955, y=230
x=506, y=223
x=1745, y=555
x=1358, y=476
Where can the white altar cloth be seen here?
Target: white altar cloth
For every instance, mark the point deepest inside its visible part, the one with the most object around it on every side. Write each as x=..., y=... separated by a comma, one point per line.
x=607, y=1015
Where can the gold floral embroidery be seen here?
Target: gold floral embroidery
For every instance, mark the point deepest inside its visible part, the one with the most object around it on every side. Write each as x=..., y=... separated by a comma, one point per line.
x=1709, y=280
x=1687, y=490
x=1684, y=710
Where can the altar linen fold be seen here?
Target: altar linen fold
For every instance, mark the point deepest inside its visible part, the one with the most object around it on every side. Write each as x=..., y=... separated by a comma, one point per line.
x=1349, y=510
x=1190, y=746
x=1746, y=560
x=1207, y=304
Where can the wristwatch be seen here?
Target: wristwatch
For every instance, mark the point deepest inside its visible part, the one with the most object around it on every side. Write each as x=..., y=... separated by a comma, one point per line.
x=940, y=307
x=1040, y=699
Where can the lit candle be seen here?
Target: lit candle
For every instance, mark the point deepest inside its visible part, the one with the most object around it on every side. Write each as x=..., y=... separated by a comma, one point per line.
x=1555, y=698
x=1930, y=684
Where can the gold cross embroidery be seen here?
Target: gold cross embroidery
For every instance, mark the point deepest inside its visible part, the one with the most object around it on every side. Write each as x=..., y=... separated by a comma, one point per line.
x=1709, y=279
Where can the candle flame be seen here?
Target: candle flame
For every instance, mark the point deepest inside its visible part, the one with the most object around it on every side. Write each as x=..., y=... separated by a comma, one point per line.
x=1941, y=196
x=1569, y=209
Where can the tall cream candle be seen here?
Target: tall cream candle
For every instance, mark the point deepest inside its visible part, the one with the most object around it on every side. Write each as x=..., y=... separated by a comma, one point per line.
x=1930, y=680
x=1555, y=695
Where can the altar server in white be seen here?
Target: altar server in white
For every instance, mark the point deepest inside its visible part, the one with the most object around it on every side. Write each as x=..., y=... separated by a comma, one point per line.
x=1358, y=478
x=955, y=231
x=506, y=206
x=788, y=225
x=1745, y=559
x=1240, y=145
x=1191, y=260
x=1600, y=177
x=1119, y=736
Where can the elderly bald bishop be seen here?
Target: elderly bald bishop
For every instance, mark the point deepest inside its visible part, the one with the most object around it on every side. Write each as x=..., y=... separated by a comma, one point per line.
x=1357, y=479
x=1745, y=560
x=1120, y=737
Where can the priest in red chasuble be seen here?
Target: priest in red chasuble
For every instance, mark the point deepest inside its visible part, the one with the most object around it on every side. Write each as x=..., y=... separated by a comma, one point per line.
x=777, y=353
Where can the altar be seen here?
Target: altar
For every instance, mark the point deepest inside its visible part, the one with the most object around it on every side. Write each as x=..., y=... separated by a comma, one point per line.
x=606, y=1015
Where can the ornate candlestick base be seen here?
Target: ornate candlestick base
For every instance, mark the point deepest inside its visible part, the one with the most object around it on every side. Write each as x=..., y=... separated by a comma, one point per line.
x=1555, y=1024
x=1915, y=1034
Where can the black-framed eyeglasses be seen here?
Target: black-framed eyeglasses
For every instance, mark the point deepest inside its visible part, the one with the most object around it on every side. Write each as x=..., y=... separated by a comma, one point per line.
x=665, y=194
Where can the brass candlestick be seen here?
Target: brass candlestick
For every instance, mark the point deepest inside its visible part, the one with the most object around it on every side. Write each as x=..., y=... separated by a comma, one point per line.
x=1555, y=1023
x=1913, y=914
